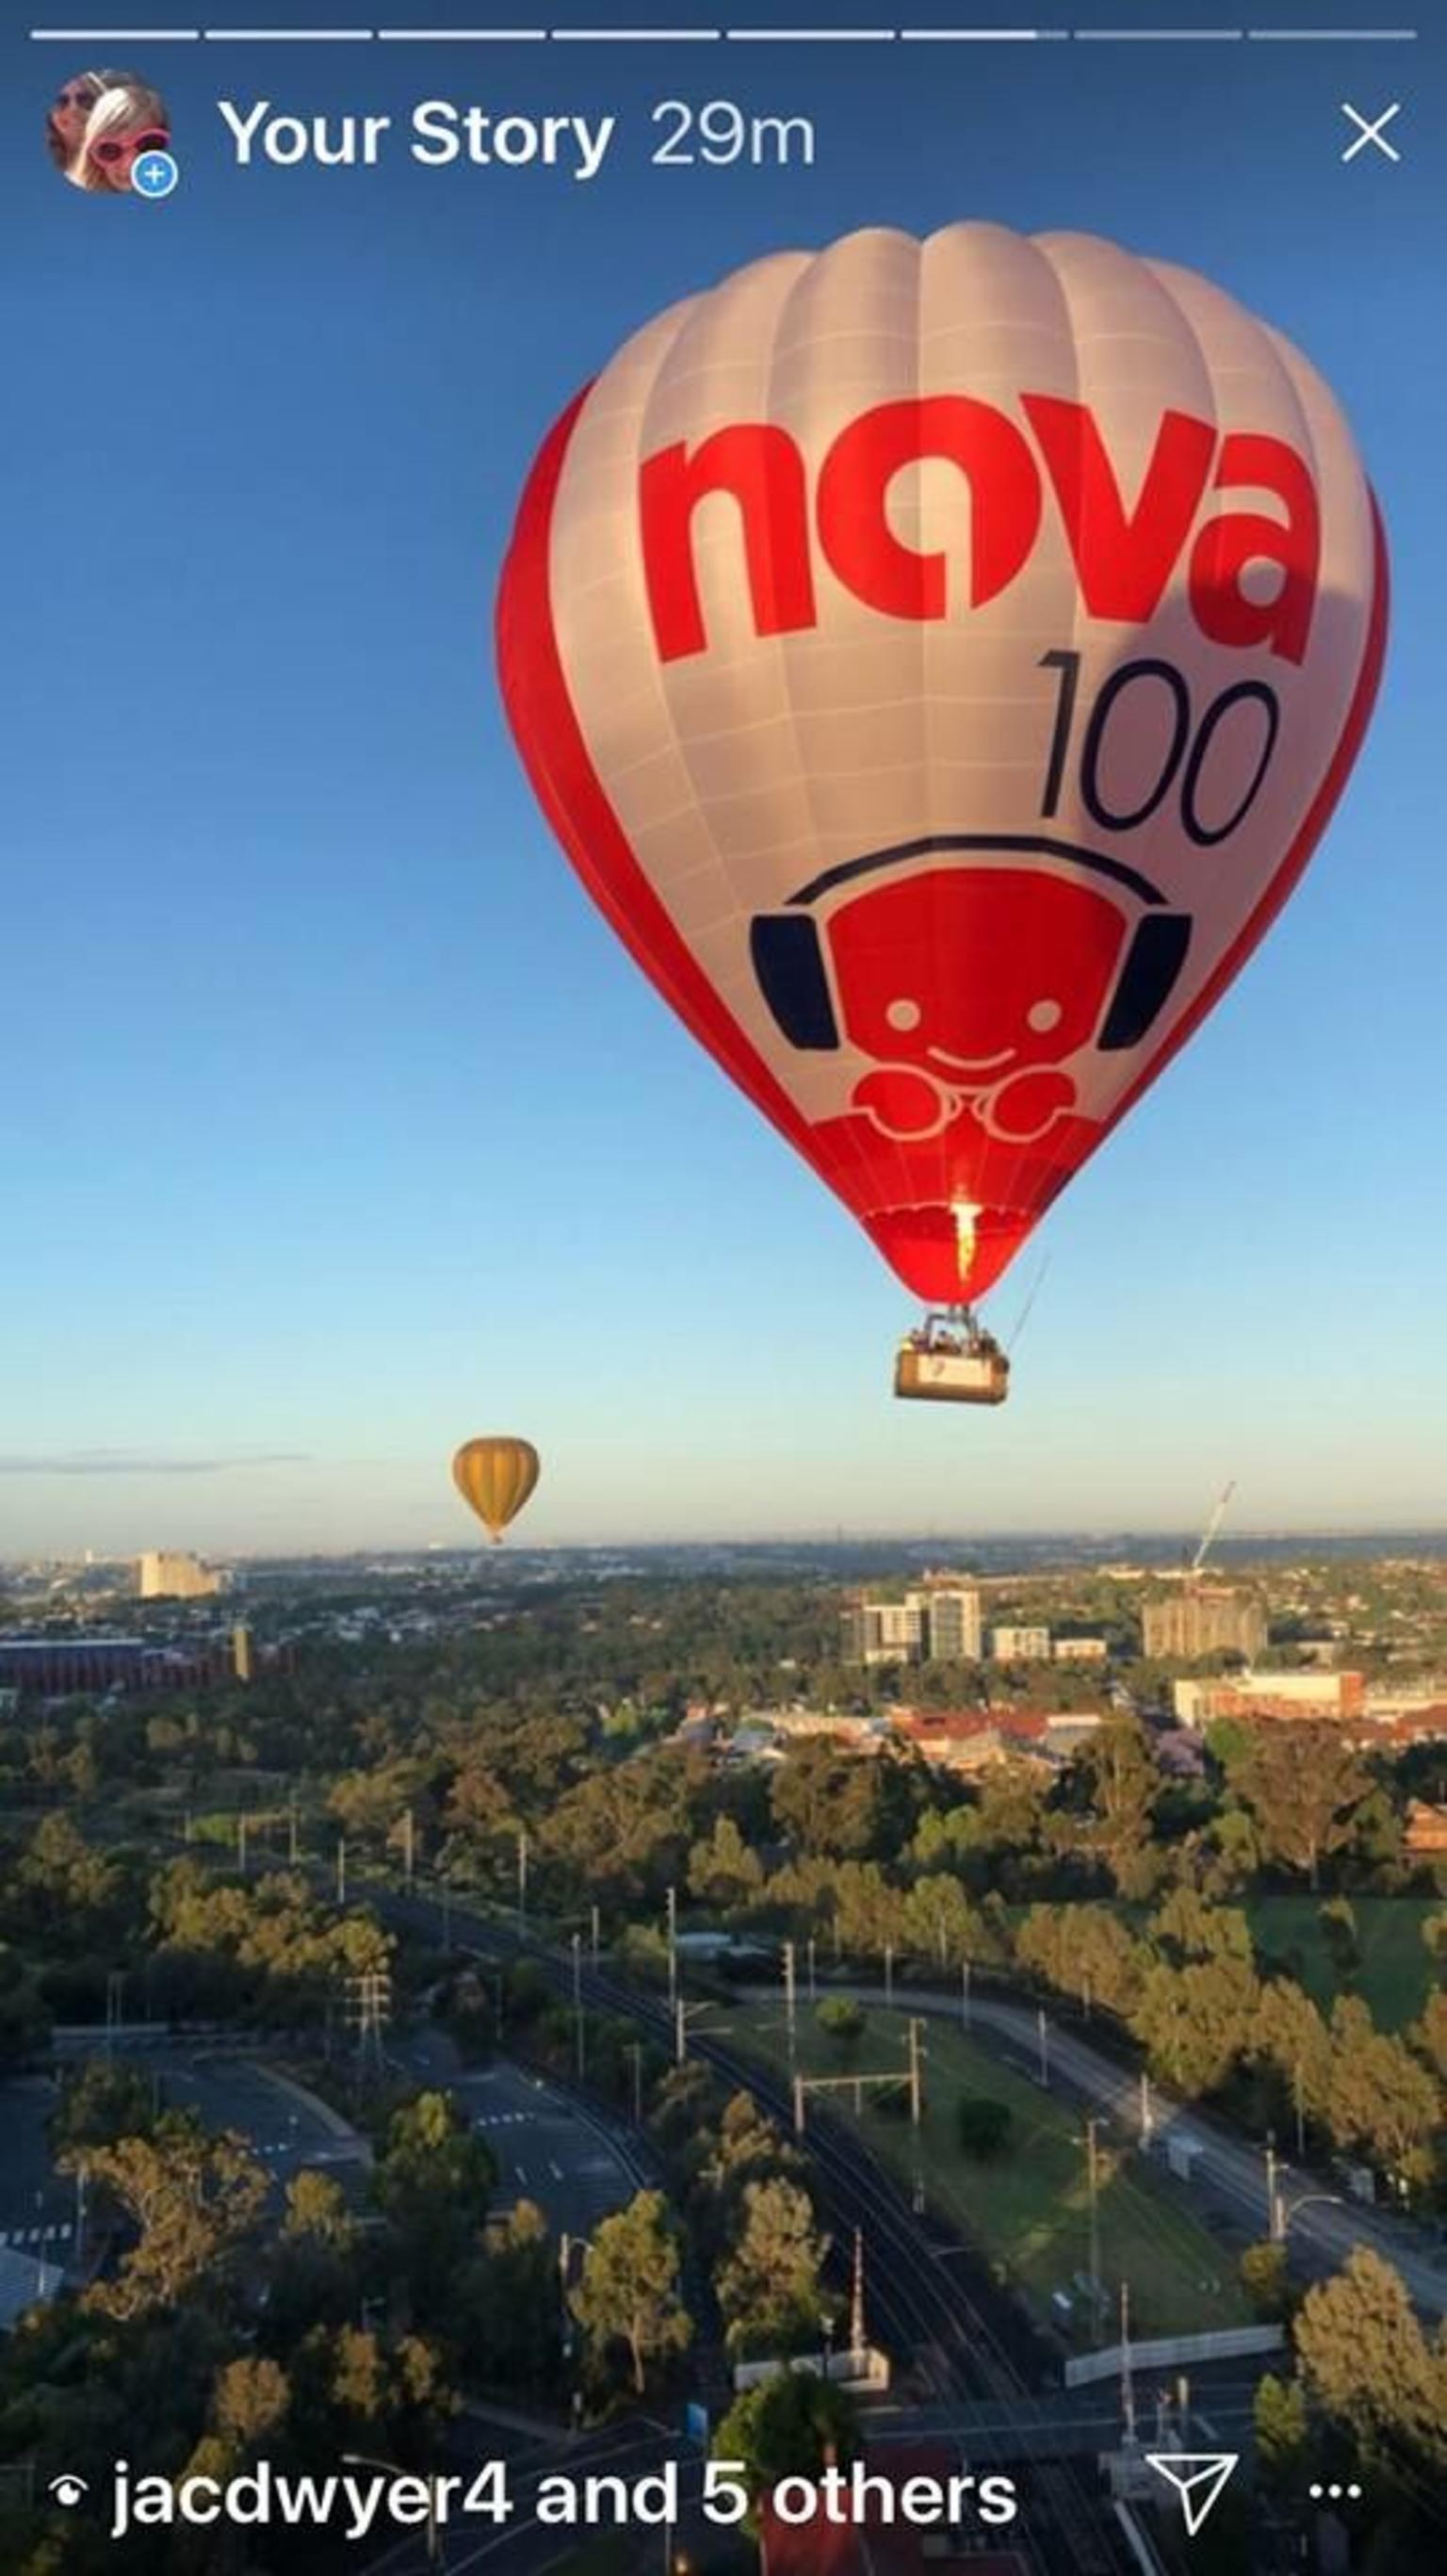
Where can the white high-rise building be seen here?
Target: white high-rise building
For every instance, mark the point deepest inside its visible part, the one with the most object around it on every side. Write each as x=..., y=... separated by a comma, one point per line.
x=164, y=1575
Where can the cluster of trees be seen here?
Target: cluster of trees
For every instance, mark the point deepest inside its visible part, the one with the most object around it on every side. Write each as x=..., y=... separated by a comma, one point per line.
x=1367, y=2399
x=186, y=1944
x=216, y=2330
x=748, y=2204
x=1188, y=1988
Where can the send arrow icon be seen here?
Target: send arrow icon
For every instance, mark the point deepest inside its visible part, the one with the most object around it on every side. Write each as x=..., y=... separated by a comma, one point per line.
x=1198, y=2478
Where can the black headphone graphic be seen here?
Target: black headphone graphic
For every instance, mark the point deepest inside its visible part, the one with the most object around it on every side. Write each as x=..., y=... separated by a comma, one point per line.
x=788, y=954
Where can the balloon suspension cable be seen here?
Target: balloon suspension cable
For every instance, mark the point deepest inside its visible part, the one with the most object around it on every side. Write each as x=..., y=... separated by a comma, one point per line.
x=1023, y=1318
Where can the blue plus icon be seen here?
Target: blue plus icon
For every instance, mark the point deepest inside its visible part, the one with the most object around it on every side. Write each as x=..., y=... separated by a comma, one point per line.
x=155, y=174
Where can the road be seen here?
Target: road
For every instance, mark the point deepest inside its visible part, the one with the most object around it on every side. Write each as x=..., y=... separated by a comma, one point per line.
x=37, y=2205
x=284, y=2127
x=576, y=2167
x=1321, y=2232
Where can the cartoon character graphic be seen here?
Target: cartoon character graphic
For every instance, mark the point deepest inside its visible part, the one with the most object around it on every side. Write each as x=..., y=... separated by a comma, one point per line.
x=978, y=985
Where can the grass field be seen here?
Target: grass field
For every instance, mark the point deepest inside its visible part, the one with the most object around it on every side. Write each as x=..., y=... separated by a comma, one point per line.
x=1396, y=1972
x=1028, y=2211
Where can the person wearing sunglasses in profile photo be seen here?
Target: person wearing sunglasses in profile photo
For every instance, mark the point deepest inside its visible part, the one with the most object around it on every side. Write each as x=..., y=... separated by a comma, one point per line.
x=69, y=115
x=126, y=120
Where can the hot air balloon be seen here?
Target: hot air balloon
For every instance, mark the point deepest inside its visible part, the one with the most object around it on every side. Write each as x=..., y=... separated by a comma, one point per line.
x=939, y=660
x=496, y=1475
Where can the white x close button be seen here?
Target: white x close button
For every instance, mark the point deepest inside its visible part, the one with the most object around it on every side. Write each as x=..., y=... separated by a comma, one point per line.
x=1371, y=129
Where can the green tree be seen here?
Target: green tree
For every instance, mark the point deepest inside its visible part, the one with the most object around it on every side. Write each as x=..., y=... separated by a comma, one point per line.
x=101, y=2101
x=1197, y=2021
x=1282, y=2435
x=433, y=2161
x=1304, y=1786
x=1380, y=2099
x=940, y=1924
x=1368, y=2364
x=196, y=2199
x=768, y=2288
x=316, y=2209
x=250, y=2402
x=792, y=2426
x=841, y=2020
x=24, y=2021
x=514, y=2329
x=983, y=2126
x=825, y=1800
x=629, y=2290
x=723, y=1873
x=1266, y=2280
x=1124, y=1786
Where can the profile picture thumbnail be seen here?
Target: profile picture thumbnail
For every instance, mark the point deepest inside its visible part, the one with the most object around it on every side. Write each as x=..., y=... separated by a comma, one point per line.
x=100, y=124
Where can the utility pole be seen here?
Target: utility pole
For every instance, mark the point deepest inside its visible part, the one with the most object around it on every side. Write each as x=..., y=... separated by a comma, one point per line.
x=790, y=2011
x=596, y=1932
x=1274, y=2228
x=1085, y=1995
x=680, y=2031
x=1127, y=2386
x=1093, y=2186
x=578, y=2030
x=813, y=1982
x=798, y=2106
x=673, y=1953
x=522, y=1878
x=916, y=2110
x=916, y=2085
x=889, y=1974
x=241, y=1843
x=964, y=1994
x=1300, y=2108
x=369, y=2004
x=1043, y=2031
x=1146, y=2122
x=857, y=2339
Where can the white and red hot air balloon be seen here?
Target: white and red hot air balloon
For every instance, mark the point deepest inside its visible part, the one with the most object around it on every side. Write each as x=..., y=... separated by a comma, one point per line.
x=939, y=660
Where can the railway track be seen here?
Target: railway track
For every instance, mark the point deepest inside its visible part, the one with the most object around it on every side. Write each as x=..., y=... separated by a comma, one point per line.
x=920, y=2307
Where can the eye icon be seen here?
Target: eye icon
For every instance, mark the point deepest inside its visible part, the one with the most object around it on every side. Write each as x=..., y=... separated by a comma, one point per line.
x=68, y=2490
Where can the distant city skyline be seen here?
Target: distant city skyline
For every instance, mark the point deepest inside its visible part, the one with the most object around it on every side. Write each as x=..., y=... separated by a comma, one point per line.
x=341, y=1128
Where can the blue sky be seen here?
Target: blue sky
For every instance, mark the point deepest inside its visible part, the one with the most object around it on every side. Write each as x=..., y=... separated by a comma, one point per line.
x=339, y=1127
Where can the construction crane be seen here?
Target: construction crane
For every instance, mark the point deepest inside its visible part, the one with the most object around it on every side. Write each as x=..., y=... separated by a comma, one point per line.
x=1212, y=1526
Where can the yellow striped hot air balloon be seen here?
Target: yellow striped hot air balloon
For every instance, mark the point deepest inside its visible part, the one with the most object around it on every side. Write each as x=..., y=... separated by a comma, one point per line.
x=496, y=1475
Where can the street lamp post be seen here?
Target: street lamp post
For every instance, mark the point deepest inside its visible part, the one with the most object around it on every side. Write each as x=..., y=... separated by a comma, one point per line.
x=389, y=2468
x=578, y=2003
x=1286, y=2215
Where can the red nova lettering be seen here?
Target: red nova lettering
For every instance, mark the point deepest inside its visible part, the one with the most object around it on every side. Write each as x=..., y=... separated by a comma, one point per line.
x=1124, y=553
